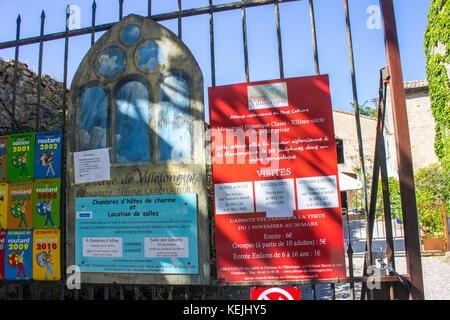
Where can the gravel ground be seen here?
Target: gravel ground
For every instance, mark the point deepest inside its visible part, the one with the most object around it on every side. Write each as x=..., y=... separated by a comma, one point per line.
x=435, y=269
x=436, y=277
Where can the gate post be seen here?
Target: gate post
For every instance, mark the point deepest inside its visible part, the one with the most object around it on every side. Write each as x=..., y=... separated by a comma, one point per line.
x=403, y=148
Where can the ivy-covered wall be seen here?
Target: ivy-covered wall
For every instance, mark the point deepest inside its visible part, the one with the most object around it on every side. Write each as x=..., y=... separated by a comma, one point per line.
x=437, y=52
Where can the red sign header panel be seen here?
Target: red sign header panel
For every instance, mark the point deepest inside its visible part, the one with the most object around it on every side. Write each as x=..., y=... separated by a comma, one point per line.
x=275, y=177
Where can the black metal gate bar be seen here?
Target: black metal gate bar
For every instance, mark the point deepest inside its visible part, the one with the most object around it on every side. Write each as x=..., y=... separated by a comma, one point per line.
x=179, y=19
x=211, y=45
x=368, y=260
x=157, y=18
x=244, y=40
x=179, y=14
x=39, y=77
x=280, y=47
x=390, y=255
x=314, y=36
x=93, y=12
x=16, y=59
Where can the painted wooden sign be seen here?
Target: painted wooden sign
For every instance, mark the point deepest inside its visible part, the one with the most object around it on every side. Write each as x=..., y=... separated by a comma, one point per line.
x=139, y=93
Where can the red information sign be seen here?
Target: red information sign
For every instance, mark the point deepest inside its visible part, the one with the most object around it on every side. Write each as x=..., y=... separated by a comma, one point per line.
x=275, y=293
x=276, y=199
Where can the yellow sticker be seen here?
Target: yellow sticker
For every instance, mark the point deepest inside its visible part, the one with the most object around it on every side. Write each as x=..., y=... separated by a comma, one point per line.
x=46, y=255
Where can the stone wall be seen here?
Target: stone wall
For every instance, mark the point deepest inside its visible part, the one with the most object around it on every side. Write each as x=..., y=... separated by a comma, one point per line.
x=345, y=129
x=50, y=109
x=421, y=125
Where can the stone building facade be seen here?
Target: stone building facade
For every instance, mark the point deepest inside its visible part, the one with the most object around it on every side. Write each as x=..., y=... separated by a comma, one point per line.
x=421, y=128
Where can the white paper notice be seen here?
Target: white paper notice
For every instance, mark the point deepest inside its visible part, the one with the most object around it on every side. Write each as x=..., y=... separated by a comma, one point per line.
x=92, y=165
x=234, y=197
x=317, y=192
x=275, y=197
x=164, y=247
x=102, y=247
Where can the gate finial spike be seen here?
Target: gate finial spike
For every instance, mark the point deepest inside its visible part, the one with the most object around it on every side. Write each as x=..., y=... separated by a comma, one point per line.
x=18, y=19
x=94, y=5
x=43, y=15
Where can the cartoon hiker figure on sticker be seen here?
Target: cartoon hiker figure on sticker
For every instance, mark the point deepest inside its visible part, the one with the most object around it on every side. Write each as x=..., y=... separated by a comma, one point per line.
x=44, y=260
x=16, y=260
x=18, y=211
x=45, y=209
x=46, y=160
x=20, y=161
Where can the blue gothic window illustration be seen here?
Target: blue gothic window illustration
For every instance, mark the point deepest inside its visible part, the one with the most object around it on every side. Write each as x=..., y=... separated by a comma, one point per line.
x=131, y=103
x=131, y=34
x=110, y=62
x=132, y=123
x=175, y=141
x=151, y=55
x=93, y=119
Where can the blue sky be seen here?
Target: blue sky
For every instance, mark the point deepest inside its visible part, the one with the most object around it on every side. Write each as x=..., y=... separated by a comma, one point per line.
x=368, y=45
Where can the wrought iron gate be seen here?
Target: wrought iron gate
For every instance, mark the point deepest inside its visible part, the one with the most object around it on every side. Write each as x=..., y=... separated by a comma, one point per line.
x=354, y=285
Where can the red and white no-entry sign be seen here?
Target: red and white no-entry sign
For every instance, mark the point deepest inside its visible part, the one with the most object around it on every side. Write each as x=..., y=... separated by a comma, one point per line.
x=275, y=293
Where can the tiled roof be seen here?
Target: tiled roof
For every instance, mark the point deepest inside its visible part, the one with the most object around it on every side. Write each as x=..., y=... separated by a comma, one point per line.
x=416, y=84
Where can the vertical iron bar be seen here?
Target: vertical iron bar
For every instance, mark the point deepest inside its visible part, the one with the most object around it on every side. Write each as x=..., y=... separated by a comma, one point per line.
x=20, y=292
x=149, y=8
x=444, y=217
x=333, y=291
x=368, y=259
x=16, y=58
x=34, y=291
x=211, y=42
x=136, y=293
x=350, y=259
x=384, y=174
x=94, y=9
x=314, y=36
x=121, y=294
x=244, y=38
x=403, y=148
x=120, y=9
x=61, y=292
x=105, y=293
x=64, y=145
x=313, y=291
x=179, y=19
x=39, y=77
x=91, y=292
x=280, y=48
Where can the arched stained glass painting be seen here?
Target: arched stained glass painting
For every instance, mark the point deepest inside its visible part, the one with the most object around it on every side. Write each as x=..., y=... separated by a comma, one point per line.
x=132, y=123
x=138, y=96
x=175, y=140
x=93, y=118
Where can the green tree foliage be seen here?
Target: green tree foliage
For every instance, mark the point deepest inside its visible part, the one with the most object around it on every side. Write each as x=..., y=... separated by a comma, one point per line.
x=437, y=35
